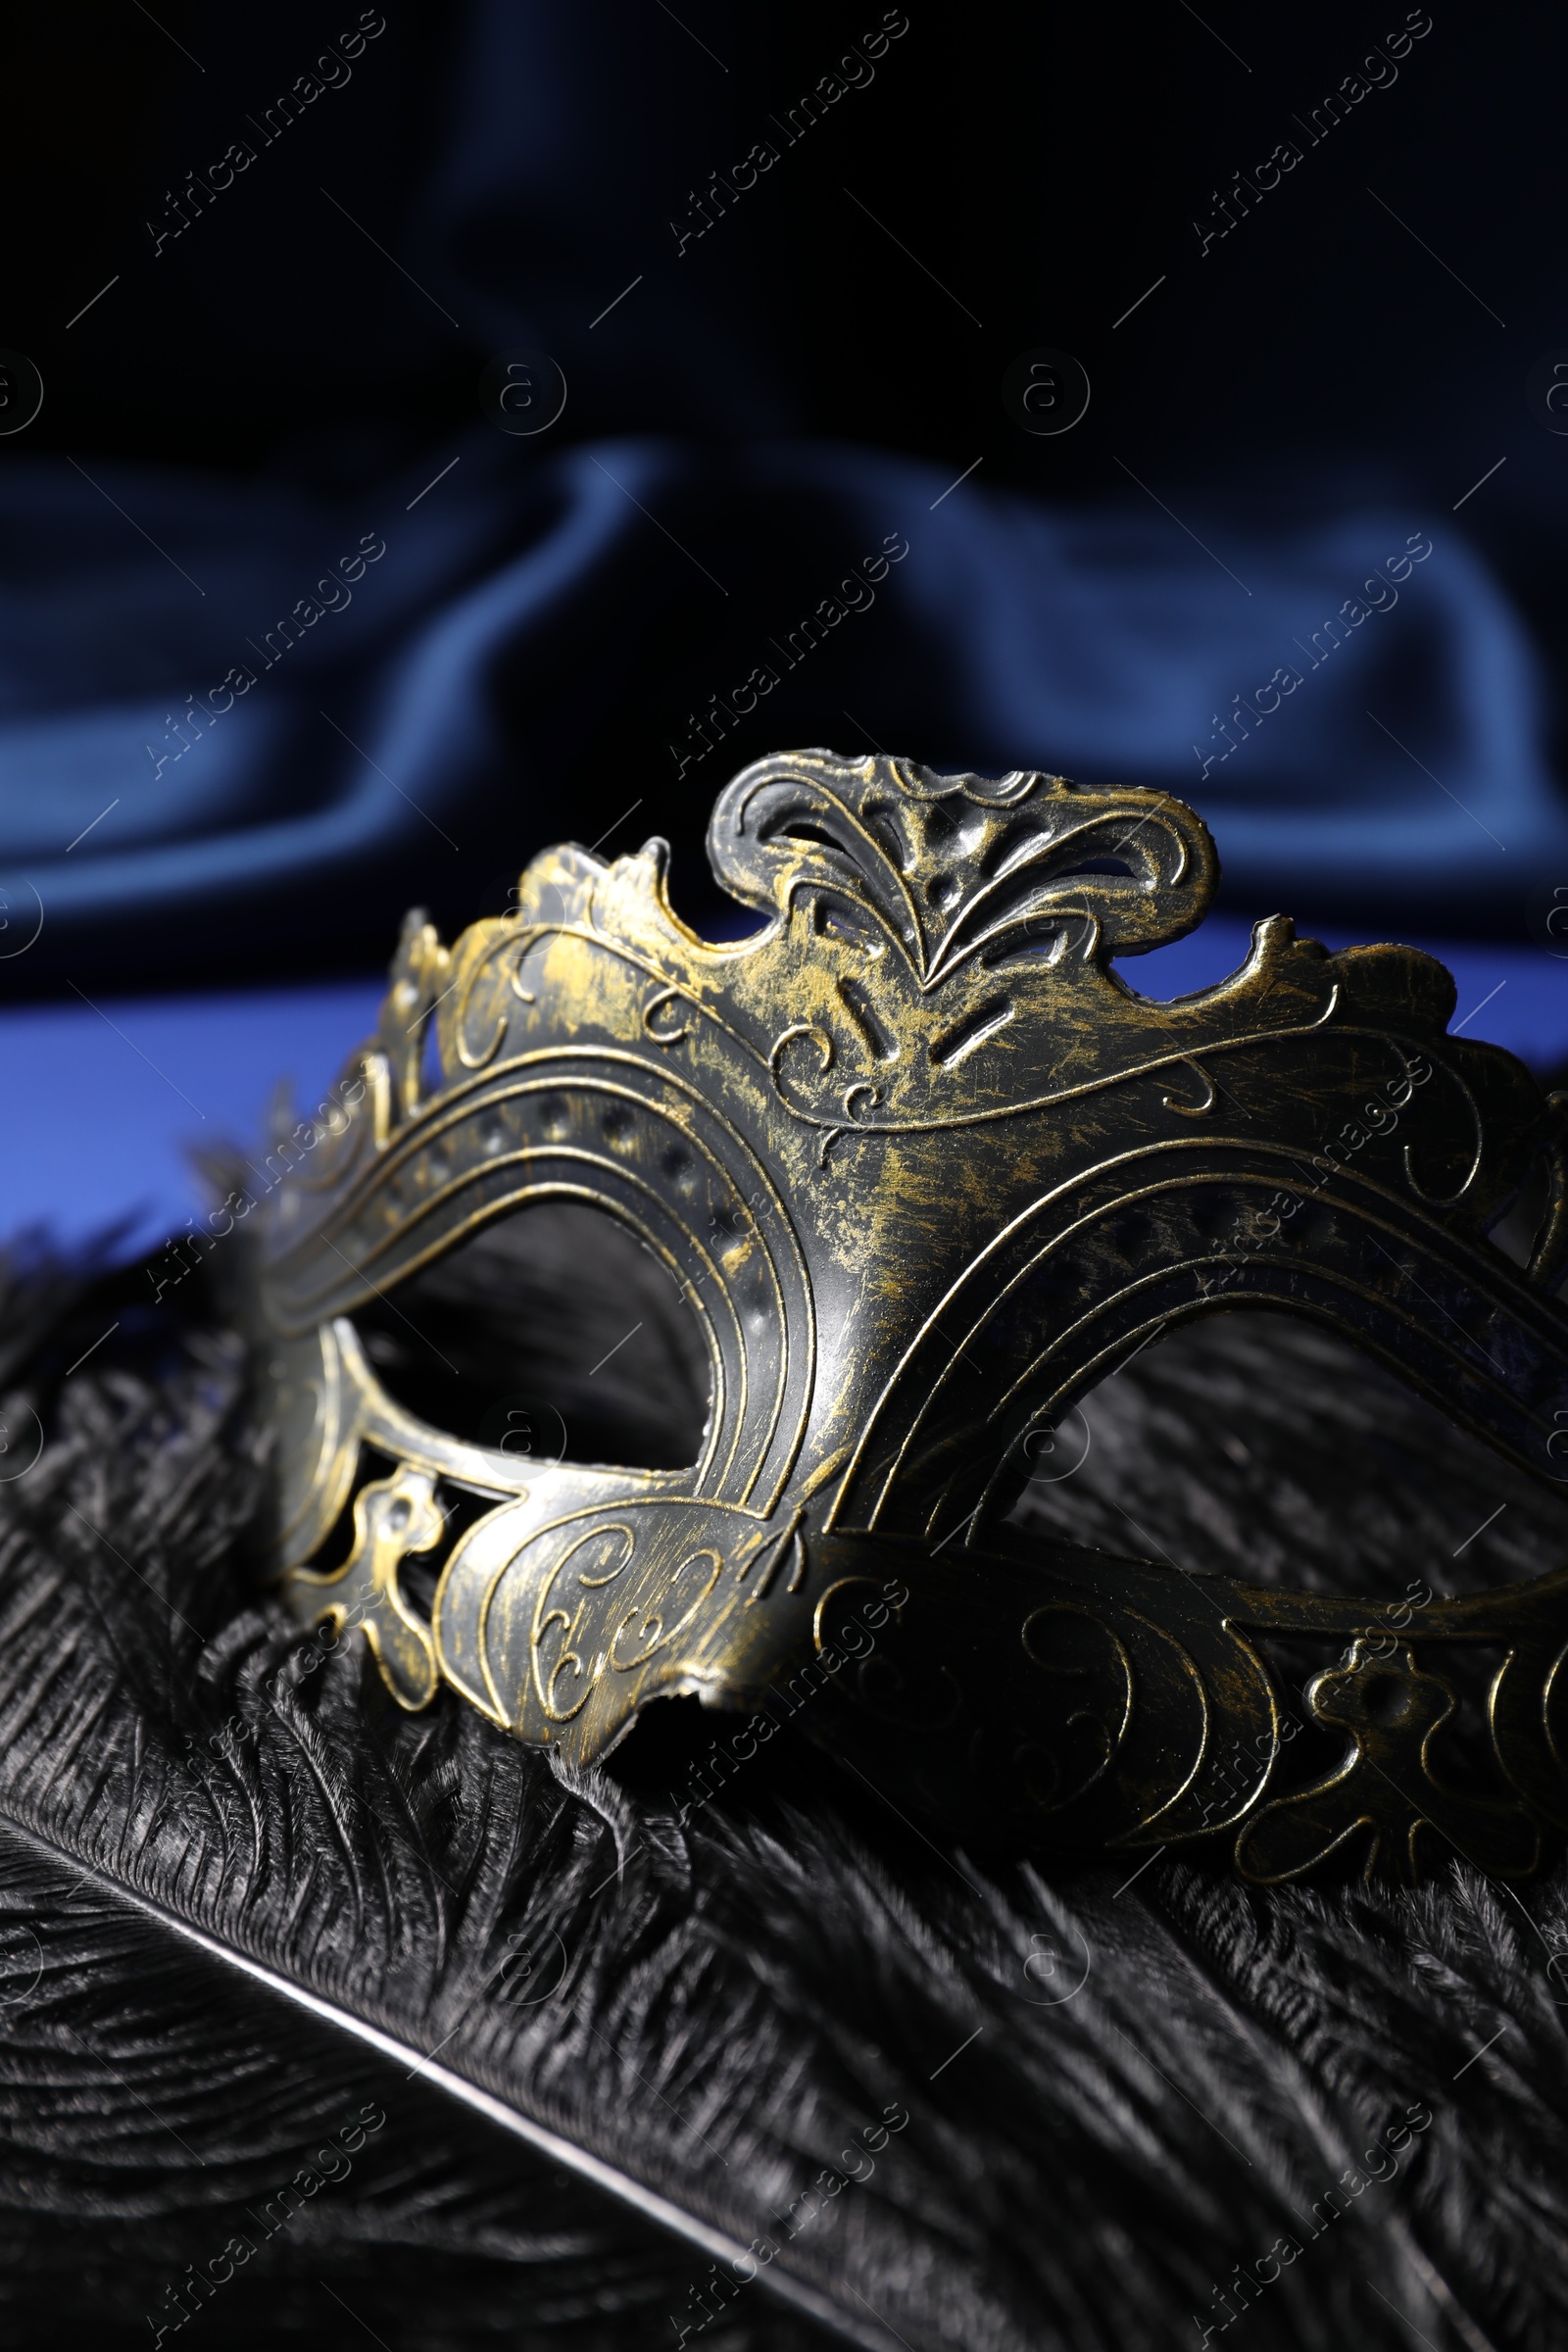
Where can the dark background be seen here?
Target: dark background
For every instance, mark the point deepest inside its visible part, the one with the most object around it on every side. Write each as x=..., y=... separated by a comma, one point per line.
x=1042, y=167
x=1044, y=164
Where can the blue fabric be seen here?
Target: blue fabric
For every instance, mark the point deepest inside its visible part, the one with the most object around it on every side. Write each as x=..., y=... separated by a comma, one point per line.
x=117, y=1098
x=496, y=642
x=1101, y=646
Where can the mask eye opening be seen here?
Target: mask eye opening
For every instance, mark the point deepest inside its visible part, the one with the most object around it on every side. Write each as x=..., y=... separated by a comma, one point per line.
x=550, y=1335
x=1265, y=1444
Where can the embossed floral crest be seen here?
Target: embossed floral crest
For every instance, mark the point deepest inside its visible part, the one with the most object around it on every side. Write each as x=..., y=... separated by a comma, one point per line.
x=926, y=1165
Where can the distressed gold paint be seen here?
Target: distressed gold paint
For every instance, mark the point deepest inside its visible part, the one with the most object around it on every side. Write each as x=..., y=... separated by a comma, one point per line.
x=926, y=1169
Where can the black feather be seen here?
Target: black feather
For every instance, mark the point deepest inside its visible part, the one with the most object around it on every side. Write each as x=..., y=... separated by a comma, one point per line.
x=1118, y=2088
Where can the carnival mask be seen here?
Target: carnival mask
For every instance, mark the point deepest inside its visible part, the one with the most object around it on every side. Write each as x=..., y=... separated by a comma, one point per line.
x=926, y=1169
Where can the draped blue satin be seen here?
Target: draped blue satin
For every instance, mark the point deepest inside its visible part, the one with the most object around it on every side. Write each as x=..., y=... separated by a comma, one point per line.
x=223, y=719
x=1406, y=756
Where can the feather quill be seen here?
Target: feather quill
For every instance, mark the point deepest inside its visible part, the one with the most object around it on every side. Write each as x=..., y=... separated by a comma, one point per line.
x=621, y=2053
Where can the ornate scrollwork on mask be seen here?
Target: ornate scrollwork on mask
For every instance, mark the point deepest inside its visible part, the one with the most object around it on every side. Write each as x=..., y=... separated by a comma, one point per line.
x=926, y=1169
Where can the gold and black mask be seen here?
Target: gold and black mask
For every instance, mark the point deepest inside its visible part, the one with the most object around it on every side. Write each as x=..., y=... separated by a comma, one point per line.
x=924, y=1169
